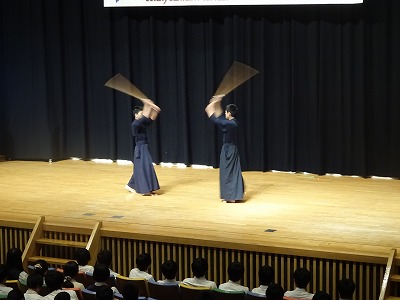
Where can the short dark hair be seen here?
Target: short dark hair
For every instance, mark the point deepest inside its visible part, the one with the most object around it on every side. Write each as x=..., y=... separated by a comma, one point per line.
x=199, y=267
x=104, y=257
x=274, y=292
x=3, y=273
x=34, y=281
x=321, y=295
x=232, y=108
x=104, y=293
x=130, y=291
x=41, y=267
x=54, y=280
x=136, y=110
x=62, y=296
x=82, y=256
x=143, y=261
x=266, y=275
x=15, y=295
x=302, y=277
x=169, y=269
x=235, y=271
x=346, y=288
x=101, y=272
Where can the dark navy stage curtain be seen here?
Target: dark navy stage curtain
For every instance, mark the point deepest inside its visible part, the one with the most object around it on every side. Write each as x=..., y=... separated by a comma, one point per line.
x=327, y=99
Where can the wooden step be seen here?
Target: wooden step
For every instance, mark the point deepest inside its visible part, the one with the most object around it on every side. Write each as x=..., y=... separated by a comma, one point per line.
x=50, y=260
x=62, y=243
x=395, y=278
x=392, y=298
x=68, y=228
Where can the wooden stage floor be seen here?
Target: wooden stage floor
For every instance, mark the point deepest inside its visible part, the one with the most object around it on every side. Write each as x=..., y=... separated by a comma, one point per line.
x=346, y=218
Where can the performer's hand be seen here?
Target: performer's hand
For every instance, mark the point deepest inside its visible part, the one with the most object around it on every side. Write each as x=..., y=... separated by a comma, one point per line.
x=216, y=98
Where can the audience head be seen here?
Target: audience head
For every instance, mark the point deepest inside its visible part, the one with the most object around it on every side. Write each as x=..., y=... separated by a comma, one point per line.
x=3, y=273
x=274, y=292
x=82, y=256
x=101, y=273
x=41, y=267
x=14, y=259
x=199, y=267
x=206, y=295
x=143, y=261
x=130, y=292
x=169, y=269
x=321, y=295
x=235, y=271
x=15, y=295
x=104, y=257
x=34, y=282
x=71, y=269
x=62, y=296
x=302, y=277
x=54, y=280
x=346, y=288
x=266, y=275
x=105, y=293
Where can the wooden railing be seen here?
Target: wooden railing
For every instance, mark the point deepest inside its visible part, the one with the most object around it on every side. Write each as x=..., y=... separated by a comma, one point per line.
x=386, y=288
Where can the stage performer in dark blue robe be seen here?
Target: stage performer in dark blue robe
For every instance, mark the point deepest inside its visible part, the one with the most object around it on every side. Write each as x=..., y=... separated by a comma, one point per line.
x=144, y=179
x=230, y=172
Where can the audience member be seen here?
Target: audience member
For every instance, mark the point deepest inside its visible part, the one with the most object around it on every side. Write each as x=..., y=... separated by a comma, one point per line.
x=265, y=277
x=34, y=284
x=71, y=269
x=100, y=275
x=54, y=281
x=105, y=257
x=169, y=269
x=105, y=293
x=274, y=292
x=14, y=263
x=321, y=295
x=82, y=257
x=206, y=295
x=302, y=278
x=62, y=296
x=235, y=274
x=40, y=267
x=4, y=290
x=15, y=295
x=346, y=288
x=199, y=269
x=130, y=291
x=143, y=262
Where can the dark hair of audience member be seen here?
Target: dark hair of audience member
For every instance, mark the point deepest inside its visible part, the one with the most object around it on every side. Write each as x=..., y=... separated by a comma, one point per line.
x=235, y=271
x=15, y=295
x=14, y=263
x=34, y=281
x=101, y=273
x=206, y=295
x=199, y=267
x=41, y=267
x=346, y=288
x=54, y=280
x=266, y=275
x=274, y=292
x=3, y=273
x=321, y=295
x=143, y=261
x=130, y=292
x=302, y=277
x=169, y=269
x=104, y=257
x=82, y=256
x=105, y=293
x=71, y=269
x=62, y=296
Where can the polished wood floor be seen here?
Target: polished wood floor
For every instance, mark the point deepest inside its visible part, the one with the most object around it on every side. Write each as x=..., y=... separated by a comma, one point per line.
x=299, y=214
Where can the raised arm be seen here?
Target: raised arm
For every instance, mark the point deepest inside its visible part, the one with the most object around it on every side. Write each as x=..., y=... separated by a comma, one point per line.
x=214, y=107
x=150, y=109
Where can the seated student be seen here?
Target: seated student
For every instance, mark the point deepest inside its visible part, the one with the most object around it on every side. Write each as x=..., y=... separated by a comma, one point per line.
x=4, y=290
x=302, y=278
x=105, y=293
x=169, y=269
x=100, y=275
x=130, y=292
x=346, y=288
x=40, y=267
x=71, y=269
x=15, y=295
x=266, y=277
x=14, y=263
x=143, y=262
x=54, y=281
x=82, y=257
x=62, y=296
x=34, y=284
x=199, y=269
x=274, y=292
x=235, y=274
x=104, y=257
x=321, y=295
